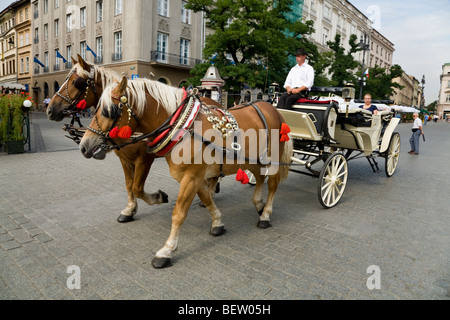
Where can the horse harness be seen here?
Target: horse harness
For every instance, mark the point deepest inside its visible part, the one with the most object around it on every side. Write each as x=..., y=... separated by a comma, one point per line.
x=83, y=85
x=180, y=122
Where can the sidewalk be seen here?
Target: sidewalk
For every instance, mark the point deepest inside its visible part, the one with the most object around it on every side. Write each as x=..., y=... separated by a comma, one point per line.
x=58, y=210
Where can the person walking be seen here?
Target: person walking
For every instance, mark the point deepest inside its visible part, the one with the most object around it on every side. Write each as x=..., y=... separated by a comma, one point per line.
x=298, y=82
x=416, y=132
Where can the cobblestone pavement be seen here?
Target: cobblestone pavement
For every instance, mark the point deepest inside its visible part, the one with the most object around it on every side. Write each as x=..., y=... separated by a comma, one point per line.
x=58, y=210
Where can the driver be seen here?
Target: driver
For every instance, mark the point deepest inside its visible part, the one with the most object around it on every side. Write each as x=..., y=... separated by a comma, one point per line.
x=298, y=82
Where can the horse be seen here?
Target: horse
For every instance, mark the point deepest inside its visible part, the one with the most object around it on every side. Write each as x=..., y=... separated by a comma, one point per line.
x=87, y=82
x=161, y=122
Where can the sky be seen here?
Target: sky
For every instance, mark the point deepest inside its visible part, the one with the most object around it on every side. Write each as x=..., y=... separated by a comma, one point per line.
x=418, y=29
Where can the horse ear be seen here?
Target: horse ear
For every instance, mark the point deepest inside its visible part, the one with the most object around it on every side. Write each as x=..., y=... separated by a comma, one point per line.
x=123, y=85
x=84, y=64
x=74, y=61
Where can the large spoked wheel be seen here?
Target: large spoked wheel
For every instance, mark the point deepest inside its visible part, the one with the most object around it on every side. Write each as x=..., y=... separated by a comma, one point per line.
x=333, y=180
x=392, y=154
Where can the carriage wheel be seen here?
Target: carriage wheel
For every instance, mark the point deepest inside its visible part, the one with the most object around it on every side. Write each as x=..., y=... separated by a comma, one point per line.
x=392, y=154
x=333, y=180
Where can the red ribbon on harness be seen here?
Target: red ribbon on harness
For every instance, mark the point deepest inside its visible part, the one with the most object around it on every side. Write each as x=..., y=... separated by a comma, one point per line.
x=242, y=177
x=82, y=104
x=284, y=132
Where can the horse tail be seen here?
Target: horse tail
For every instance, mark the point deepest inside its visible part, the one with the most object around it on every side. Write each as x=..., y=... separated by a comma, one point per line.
x=288, y=152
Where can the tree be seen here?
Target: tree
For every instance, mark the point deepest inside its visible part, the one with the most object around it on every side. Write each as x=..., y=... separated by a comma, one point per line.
x=343, y=64
x=251, y=40
x=380, y=84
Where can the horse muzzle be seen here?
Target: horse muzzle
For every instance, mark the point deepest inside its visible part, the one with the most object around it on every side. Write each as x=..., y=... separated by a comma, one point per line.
x=55, y=112
x=94, y=150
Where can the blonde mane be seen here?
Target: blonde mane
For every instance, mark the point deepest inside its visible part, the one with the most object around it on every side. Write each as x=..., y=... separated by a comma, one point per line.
x=168, y=97
x=106, y=76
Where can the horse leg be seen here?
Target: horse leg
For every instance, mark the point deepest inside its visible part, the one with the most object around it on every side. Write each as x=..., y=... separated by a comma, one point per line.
x=127, y=214
x=141, y=170
x=264, y=219
x=257, y=194
x=204, y=193
x=189, y=186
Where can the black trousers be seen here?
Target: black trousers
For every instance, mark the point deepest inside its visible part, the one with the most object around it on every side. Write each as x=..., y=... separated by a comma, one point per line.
x=287, y=100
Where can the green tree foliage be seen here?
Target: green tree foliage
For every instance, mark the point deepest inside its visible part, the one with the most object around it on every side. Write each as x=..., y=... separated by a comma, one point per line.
x=380, y=84
x=248, y=36
x=342, y=65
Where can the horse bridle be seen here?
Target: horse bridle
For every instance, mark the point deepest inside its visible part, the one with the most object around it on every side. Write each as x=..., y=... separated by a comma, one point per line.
x=82, y=85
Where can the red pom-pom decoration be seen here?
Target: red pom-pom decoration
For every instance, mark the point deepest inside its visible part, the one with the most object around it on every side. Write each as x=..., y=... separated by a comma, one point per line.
x=125, y=132
x=242, y=177
x=284, y=132
x=114, y=132
x=82, y=104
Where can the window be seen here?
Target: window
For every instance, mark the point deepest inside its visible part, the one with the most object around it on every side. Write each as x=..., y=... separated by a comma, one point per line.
x=27, y=65
x=57, y=28
x=83, y=49
x=99, y=6
x=99, y=46
x=185, y=13
x=26, y=14
x=83, y=17
x=46, y=32
x=161, y=47
x=21, y=40
x=119, y=7
x=184, y=51
x=56, y=60
x=27, y=38
x=448, y=84
x=69, y=52
x=45, y=6
x=46, y=59
x=22, y=66
x=69, y=22
x=118, y=45
x=448, y=98
x=36, y=35
x=56, y=4
x=163, y=7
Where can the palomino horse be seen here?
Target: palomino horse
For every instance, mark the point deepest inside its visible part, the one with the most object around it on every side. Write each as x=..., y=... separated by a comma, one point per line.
x=162, y=120
x=86, y=82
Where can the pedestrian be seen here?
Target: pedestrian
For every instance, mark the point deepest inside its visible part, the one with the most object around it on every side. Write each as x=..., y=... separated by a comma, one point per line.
x=415, y=137
x=76, y=117
x=368, y=104
x=46, y=103
x=298, y=82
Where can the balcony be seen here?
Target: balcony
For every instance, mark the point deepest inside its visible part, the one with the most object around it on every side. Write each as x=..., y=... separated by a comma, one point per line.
x=36, y=70
x=159, y=57
x=56, y=67
x=46, y=69
x=69, y=65
x=98, y=60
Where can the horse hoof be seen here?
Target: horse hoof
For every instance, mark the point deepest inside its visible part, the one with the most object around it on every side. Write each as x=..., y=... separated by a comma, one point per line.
x=264, y=224
x=125, y=219
x=218, y=231
x=164, y=196
x=159, y=263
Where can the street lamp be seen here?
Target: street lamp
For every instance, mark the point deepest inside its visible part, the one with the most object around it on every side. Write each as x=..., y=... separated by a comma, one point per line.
x=365, y=46
x=422, y=102
x=27, y=105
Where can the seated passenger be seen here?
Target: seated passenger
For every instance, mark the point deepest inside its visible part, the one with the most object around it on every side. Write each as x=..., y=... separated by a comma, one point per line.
x=368, y=104
x=298, y=82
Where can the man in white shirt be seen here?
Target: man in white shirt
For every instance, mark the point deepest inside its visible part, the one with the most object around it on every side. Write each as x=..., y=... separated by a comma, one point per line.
x=298, y=82
x=415, y=137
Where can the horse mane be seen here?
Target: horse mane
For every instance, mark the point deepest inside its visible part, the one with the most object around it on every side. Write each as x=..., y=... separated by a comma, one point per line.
x=166, y=96
x=106, y=76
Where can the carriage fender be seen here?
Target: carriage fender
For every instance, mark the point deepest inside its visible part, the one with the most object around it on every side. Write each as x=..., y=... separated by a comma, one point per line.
x=388, y=134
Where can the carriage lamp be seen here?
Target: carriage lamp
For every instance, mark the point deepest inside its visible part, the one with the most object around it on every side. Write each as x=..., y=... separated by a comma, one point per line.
x=348, y=93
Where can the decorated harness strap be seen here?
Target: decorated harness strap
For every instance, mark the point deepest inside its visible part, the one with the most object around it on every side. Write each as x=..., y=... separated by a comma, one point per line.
x=181, y=122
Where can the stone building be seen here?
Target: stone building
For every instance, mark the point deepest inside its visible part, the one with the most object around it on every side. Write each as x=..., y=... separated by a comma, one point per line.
x=157, y=39
x=443, y=107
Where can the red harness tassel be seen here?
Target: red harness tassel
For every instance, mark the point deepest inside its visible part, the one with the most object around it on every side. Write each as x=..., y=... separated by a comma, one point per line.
x=125, y=132
x=284, y=132
x=82, y=104
x=242, y=177
x=114, y=133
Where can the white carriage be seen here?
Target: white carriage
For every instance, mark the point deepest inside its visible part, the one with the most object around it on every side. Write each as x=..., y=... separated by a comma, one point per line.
x=323, y=133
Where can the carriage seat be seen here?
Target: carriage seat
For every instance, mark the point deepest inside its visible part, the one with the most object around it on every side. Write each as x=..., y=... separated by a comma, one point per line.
x=357, y=117
x=315, y=109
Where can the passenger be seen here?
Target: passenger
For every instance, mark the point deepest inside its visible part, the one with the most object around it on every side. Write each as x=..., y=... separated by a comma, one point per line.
x=298, y=82
x=368, y=104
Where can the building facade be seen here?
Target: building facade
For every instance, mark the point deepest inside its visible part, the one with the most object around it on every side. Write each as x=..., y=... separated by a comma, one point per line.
x=24, y=55
x=155, y=39
x=8, y=46
x=443, y=107
x=409, y=95
x=381, y=51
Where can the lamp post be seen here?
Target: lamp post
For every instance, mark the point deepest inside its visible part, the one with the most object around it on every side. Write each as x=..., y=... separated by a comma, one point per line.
x=364, y=45
x=27, y=105
x=422, y=100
